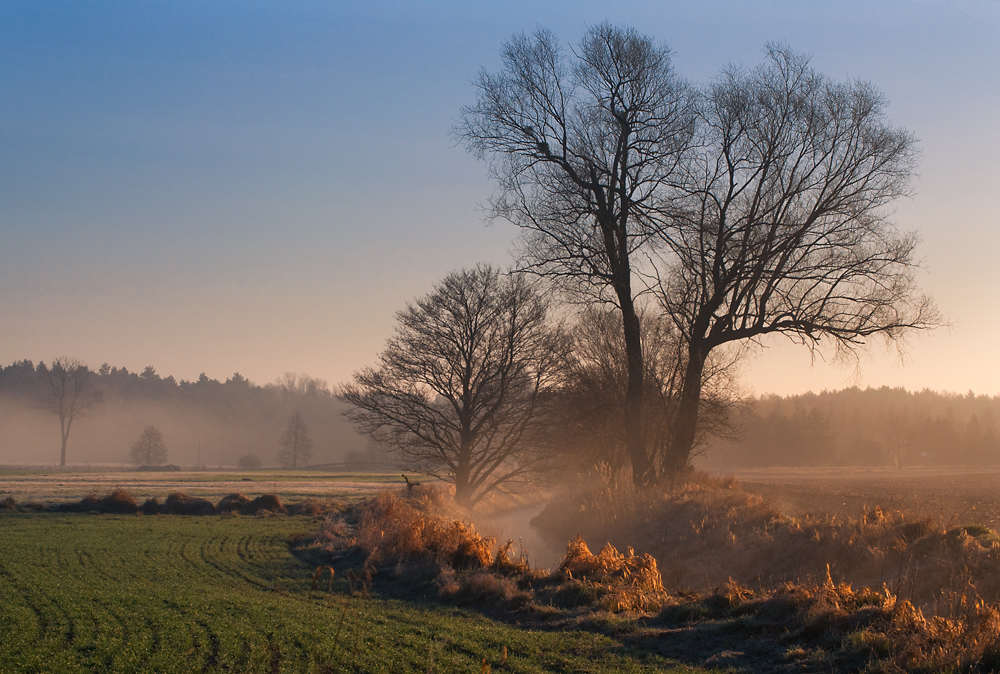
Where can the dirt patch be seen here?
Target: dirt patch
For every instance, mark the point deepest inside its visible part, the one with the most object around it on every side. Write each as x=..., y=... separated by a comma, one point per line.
x=955, y=496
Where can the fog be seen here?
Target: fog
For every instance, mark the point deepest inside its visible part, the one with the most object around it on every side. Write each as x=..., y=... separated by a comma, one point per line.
x=194, y=436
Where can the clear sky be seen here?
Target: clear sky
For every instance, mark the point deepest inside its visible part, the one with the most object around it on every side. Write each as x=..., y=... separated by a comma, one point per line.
x=208, y=186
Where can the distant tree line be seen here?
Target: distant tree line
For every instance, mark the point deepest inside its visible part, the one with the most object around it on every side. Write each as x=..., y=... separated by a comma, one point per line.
x=865, y=427
x=207, y=421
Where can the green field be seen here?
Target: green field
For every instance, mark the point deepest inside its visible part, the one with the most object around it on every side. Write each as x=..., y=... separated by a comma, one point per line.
x=82, y=593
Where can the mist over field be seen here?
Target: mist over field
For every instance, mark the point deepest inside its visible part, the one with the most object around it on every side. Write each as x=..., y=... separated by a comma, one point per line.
x=690, y=402
x=205, y=423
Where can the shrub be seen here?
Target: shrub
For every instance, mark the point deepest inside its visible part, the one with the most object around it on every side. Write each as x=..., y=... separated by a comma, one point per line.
x=265, y=503
x=392, y=531
x=250, y=462
x=232, y=503
x=182, y=504
x=118, y=501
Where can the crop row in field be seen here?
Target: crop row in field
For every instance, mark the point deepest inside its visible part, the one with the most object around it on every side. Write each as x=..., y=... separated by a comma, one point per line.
x=85, y=593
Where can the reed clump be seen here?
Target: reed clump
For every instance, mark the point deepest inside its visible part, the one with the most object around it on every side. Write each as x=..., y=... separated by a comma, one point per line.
x=627, y=582
x=410, y=537
x=813, y=619
x=849, y=629
x=396, y=530
x=705, y=531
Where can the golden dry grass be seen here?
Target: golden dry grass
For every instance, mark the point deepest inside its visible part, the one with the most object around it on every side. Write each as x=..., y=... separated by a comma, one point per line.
x=707, y=531
x=392, y=529
x=884, y=592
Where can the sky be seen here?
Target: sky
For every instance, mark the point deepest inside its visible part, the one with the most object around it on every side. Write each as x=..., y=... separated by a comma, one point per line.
x=257, y=187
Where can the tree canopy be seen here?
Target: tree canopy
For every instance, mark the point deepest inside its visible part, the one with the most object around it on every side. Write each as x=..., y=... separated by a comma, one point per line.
x=459, y=388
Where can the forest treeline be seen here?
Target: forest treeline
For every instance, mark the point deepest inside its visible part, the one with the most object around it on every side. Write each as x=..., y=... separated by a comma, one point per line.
x=863, y=427
x=203, y=422
x=214, y=423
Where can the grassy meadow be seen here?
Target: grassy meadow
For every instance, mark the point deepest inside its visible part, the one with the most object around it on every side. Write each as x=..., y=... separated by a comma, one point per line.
x=84, y=592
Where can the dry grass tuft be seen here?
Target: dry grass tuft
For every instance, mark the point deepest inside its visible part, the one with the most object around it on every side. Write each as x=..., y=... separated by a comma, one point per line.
x=232, y=503
x=505, y=566
x=8, y=503
x=182, y=504
x=395, y=530
x=412, y=539
x=482, y=586
x=630, y=582
x=119, y=501
x=264, y=504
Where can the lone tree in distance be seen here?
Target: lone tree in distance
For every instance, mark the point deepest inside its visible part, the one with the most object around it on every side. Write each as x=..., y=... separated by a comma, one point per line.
x=296, y=445
x=458, y=392
x=149, y=449
x=582, y=149
x=70, y=389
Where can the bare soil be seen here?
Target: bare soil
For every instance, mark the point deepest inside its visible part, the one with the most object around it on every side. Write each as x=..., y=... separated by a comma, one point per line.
x=955, y=496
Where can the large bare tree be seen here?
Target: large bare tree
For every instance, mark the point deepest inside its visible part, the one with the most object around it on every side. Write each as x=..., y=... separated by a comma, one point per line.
x=783, y=227
x=70, y=389
x=459, y=388
x=581, y=147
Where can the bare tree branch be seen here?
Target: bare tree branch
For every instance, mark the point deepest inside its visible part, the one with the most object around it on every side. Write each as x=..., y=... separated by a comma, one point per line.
x=460, y=387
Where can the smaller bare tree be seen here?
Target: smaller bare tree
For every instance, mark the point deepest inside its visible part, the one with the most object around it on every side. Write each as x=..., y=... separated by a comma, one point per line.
x=897, y=434
x=296, y=445
x=70, y=390
x=149, y=449
x=461, y=387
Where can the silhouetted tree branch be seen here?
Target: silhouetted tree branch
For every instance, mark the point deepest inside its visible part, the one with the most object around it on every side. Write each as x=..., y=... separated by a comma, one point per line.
x=783, y=226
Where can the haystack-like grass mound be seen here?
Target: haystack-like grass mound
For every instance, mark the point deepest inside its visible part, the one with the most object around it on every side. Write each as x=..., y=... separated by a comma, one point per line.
x=120, y=502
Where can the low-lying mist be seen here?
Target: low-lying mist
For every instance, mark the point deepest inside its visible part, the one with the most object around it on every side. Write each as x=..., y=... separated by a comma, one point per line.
x=205, y=423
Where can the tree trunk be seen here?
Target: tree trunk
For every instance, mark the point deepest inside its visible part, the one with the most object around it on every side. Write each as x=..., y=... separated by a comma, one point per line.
x=463, y=491
x=64, y=432
x=682, y=436
x=634, y=443
x=463, y=473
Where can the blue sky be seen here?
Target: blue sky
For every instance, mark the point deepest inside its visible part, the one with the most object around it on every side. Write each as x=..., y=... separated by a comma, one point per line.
x=258, y=186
